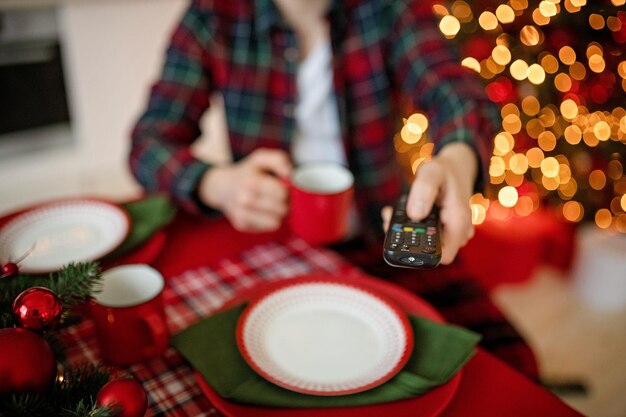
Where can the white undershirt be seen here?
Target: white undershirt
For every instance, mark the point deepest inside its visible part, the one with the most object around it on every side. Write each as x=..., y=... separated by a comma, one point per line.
x=317, y=136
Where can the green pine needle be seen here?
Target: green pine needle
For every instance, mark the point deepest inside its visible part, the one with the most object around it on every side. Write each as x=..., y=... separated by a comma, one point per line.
x=73, y=395
x=88, y=410
x=27, y=405
x=79, y=383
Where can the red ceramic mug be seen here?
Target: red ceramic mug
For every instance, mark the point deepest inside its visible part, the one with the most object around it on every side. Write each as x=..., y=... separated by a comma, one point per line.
x=129, y=314
x=320, y=201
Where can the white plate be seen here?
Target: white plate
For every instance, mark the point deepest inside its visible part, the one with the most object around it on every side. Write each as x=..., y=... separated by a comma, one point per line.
x=55, y=234
x=324, y=338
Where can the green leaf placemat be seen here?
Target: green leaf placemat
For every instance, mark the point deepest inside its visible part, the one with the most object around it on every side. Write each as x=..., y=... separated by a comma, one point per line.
x=147, y=216
x=211, y=348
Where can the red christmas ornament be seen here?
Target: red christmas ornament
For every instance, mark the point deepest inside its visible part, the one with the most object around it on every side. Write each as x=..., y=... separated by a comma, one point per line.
x=124, y=395
x=27, y=363
x=9, y=269
x=37, y=308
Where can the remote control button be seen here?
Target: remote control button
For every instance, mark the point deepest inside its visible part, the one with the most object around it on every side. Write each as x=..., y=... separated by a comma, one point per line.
x=411, y=260
x=428, y=249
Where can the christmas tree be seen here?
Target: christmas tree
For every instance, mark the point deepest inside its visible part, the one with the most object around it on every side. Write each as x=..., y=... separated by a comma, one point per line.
x=557, y=70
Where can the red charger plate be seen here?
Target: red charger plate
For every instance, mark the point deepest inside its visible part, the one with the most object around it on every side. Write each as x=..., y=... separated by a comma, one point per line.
x=430, y=404
x=363, y=306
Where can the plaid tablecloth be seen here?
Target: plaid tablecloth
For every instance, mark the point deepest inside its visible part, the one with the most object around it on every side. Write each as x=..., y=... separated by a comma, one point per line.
x=168, y=380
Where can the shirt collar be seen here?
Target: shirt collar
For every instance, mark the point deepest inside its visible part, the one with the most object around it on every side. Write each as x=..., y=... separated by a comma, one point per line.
x=268, y=16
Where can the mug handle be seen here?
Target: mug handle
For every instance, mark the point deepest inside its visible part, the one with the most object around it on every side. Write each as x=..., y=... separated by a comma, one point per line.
x=158, y=332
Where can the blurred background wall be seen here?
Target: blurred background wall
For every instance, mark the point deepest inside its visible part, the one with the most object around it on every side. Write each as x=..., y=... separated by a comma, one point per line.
x=111, y=52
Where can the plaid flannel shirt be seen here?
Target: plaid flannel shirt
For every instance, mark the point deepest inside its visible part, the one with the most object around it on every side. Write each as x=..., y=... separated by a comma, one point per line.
x=389, y=59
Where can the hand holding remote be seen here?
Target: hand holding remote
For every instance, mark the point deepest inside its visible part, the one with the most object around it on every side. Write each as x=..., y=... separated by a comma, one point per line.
x=412, y=244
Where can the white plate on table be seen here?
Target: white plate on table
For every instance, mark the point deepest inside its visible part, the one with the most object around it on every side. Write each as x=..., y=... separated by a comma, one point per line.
x=324, y=337
x=52, y=235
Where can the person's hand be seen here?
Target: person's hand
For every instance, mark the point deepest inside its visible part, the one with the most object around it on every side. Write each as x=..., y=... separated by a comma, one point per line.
x=250, y=193
x=446, y=180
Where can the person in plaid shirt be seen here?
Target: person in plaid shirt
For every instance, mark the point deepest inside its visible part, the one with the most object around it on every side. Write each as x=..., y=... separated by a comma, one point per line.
x=384, y=59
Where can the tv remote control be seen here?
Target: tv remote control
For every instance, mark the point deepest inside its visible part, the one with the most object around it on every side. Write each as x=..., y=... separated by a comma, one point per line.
x=412, y=244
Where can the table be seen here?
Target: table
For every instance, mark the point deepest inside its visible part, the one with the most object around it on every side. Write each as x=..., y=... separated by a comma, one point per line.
x=206, y=262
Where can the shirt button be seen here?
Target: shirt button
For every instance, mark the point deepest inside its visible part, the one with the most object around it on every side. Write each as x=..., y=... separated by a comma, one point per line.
x=290, y=54
x=288, y=110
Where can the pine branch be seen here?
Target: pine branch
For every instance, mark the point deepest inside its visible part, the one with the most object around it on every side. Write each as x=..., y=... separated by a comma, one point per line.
x=75, y=283
x=79, y=383
x=88, y=410
x=27, y=405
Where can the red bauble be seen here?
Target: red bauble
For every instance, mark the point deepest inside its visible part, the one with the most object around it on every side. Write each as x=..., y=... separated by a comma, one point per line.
x=37, y=308
x=27, y=363
x=8, y=270
x=125, y=395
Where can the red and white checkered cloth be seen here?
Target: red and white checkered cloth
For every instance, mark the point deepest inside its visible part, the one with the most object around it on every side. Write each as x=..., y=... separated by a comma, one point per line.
x=190, y=296
x=198, y=292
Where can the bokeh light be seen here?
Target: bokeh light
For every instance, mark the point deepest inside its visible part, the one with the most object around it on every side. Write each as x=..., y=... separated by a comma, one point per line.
x=507, y=196
x=603, y=218
x=596, y=21
x=488, y=21
x=501, y=55
x=417, y=123
x=573, y=211
x=505, y=14
x=536, y=74
x=567, y=55
x=547, y=8
x=534, y=156
x=518, y=163
x=569, y=109
x=530, y=35
x=519, y=69
x=449, y=26
x=550, y=167
x=597, y=179
x=471, y=63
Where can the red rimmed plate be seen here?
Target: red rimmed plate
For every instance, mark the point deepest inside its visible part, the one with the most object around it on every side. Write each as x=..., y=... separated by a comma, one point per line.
x=324, y=337
x=430, y=404
x=60, y=232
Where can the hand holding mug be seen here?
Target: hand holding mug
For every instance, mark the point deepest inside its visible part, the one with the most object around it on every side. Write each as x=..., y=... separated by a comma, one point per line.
x=251, y=192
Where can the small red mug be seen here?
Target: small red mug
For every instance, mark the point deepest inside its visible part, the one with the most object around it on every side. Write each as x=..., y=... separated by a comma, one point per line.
x=129, y=314
x=320, y=201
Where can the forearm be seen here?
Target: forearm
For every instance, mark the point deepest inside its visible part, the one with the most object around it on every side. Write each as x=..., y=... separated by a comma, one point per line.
x=160, y=156
x=167, y=168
